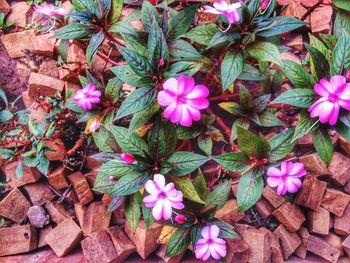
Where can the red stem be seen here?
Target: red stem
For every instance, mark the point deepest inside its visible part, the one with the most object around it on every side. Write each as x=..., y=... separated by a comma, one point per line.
x=221, y=123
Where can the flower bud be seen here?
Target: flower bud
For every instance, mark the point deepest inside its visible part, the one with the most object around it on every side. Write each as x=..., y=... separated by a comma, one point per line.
x=95, y=125
x=180, y=219
x=127, y=158
x=264, y=4
x=161, y=62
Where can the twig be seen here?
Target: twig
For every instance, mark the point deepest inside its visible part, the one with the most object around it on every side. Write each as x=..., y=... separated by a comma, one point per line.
x=311, y=9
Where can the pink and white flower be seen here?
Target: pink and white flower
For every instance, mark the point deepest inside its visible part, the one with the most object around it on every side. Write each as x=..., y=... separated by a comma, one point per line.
x=183, y=100
x=50, y=10
x=223, y=7
x=286, y=179
x=163, y=198
x=210, y=244
x=335, y=94
x=127, y=158
x=87, y=97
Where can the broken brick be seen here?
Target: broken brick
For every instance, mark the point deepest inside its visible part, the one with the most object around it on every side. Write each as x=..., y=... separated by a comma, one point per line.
x=237, y=250
x=334, y=240
x=346, y=245
x=259, y=243
x=42, y=85
x=274, y=199
x=289, y=241
x=38, y=217
x=319, y=221
x=56, y=150
x=321, y=248
x=320, y=19
x=44, y=45
x=339, y=169
x=42, y=235
x=64, y=237
x=290, y=216
x=80, y=211
x=96, y=218
x=49, y=68
x=311, y=193
x=264, y=208
x=145, y=239
x=335, y=201
x=17, y=43
x=38, y=193
x=17, y=239
x=98, y=247
x=276, y=250
x=122, y=244
x=19, y=12
x=30, y=175
x=344, y=144
x=57, y=212
x=342, y=223
x=304, y=235
x=229, y=212
x=81, y=188
x=161, y=252
x=313, y=163
x=4, y=7
x=14, y=206
x=57, y=178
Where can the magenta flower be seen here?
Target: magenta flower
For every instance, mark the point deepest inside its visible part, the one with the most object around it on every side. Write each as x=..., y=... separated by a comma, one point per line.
x=264, y=4
x=210, y=244
x=223, y=7
x=335, y=94
x=286, y=179
x=163, y=198
x=86, y=97
x=183, y=100
x=50, y=10
x=127, y=158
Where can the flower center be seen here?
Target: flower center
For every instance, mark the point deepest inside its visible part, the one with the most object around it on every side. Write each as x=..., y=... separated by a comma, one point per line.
x=333, y=98
x=181, y=99
x=162, y=195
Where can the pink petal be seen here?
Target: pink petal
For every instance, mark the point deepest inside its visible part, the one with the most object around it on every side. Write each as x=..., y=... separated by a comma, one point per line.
x=170, y=85
x=167, y=210
x=177, y=205
x=198, y=103
x=315, y=107
x=327, y=85
x=159, y=180
x=220, y=248
x=297, y=170
x=199, y=91
x=284, y=168
x=212, y=10
x=321, y=90
x=221, y=5
x=233, y=17
x=176, y=115
x=205, y=232
x=96, y=93
x=214, y=231
x=150, y=200
x=337, y=82
x=206, y=255
x=202, y=248
x=274, y=181
x=334, y=115
x=157, y=210
x=94, y=100
x=195, y=114
x=345, y=94
x=273, y=171
x=326, y=112
x=213, y=252
x=344, y=104
x=152, y=188
x=168, y=112
x=165, y=98
x=184, y=85
x=170, y=188
x=282, y=189
x=186, y=118
x=293, y=184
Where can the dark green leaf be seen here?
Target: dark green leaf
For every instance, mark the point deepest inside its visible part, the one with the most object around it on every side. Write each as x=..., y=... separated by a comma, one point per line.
x=200, y=185
x=268, y=119
x=181, y=22
x=74, y=31
x=178, y=242
x=281, y=144
x=302, y=98
x=281, y=24
x=116, y=11
x=130, y=183
x=299, y=77
x=323, y=145
x=231, y=68
x=116, y=167
x=185, y=185
x=217, y=198
x=221, y=38
x=305, y=126
x=132, y=211
x=318, y=63
x=116, y=202
x=342, y=4
x=126, y=74
x=226, y=231
x=341, y=56
x=188, y=68
x=341, y=23
x=142, y=117
x=157, y=45
x=252, y=144
x=183, y=163
x=202, y=34
x=251, y=73
x=113, y=89
x=95, y=42
x=234, y=161
x=265, y=51
x=182, y=49
x=205, y=143
x=148, y=13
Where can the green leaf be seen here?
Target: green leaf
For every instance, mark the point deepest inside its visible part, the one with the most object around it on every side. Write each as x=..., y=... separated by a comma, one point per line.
x=200, y=185
x=126, y=74
x=132, y=211
x=232, y=107
x=340, y=62
x=104, y=140
x=129, y=143
x=240, y=122
x=226, y=231
x=268, y=119
x=323, y=145
x=217, y=198
x=305, y=126
x=139, y=64
x=142, y=117
x=221, y=38
x=265, y=51
x=245, y=98
x=130, y=183
x=181, y=22
x=318, y=63
x=202, y=34
x=231, y=68
x=5, y=115
x=182, y=49
x=178, y=242
x=116, y=167
x=116, y=11
x=3, y=97
x=19, y=170
x=281, y=145
x=116, y=202
x=315, y=42
x=329, y=40
x=195, y=235
x=183, y=163
x=252, y=144
x=147, y=215
x=74, y=31
x=185, y=185
x=341, y=23
x=205, y=143
x=112, y=90
x=138, y=100
x=251, y=73
x=134, y=45
x=188, y=68
x=342, y=4
x=302, y=98
x=343, y=130
x=234, y=161
x=250, y=189
x=299, y=77
x=281, y=24
x=157, y=45
x=148, y=13
x=95, y=42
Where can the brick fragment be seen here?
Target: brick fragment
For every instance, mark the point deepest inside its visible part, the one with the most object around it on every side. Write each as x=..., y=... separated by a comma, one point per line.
x=304, y=236
x=274, y=199
x=264, y=208
x=122, y=244
x=18, y=15
x=14, y=206
x=30, y=175
x=311, y=193
x=319, y=221
x=346, y=245
x=259, y=243
x=42, y=233
x=229, y=212
x=17, y=239
x=237, y=250
x=334, y=240
x=161, y=252
x=313, y=163
x=17, y=43
x=342, y=223
x=81, y=188
x=57, y=150
x=290, y=216
x=42, y=85
x=289, y=241
x=321, y=248
x=44, y=45
x=4, y=7
x=339, y=169
x=57, y=178
x=335, y=201
x=38, y=193
x=57, y=212
x=49, y=68
x=96, y=218
x=64, y=237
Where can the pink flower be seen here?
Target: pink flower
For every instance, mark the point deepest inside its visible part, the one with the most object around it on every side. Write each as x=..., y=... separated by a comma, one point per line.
x=127, y=158
x=264, y=4
x=163, y=198
x=286, y=179
x=50, y=10
x=95, y=126
x=223, y=7
x=334, y=94
x=86, y=97
x=180, y=219
x=183, y=100
x=210, y=244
